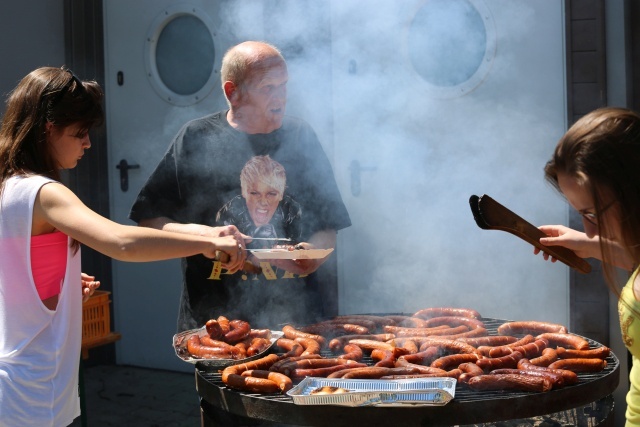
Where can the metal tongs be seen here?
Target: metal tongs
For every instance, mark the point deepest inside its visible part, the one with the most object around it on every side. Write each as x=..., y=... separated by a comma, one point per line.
x=491, y=215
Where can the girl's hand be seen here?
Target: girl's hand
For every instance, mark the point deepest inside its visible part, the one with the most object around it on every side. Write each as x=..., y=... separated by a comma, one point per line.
x=89, y=285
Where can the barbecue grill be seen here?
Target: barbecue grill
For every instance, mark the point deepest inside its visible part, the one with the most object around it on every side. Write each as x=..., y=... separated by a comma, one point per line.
x=468, y=407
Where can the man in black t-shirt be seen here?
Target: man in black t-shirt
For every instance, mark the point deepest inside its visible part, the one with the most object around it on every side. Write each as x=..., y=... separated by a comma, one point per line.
x=199, y=181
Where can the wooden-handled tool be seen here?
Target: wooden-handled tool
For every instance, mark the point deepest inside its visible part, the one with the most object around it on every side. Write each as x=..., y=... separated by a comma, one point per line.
x=249, y=267
x=491, y=215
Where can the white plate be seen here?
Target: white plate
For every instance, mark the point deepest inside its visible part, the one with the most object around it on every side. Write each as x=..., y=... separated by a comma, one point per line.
x=264, y=254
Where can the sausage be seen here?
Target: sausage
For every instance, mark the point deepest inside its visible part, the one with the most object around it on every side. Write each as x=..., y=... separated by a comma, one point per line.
x=324, y=372
x=289, y=367
x=369, y=345
x=237, y=352
x=284, y=382
x=257, y=346
x=373, y=372
x=214, y=329
x=557, y=380
x=429, y=313
x=454, y=360
x=262, y=363
x=410, y=346
x=533, y=349
x=565, y=340
x=423, y=357
x=472, y=323
x=401, y=363
x=292, y=333
x=454, y=373
x=579, y=365
x=350, y=320
x=549, y=355
x=239, y=331
x=509, y=382
x=196, y=348
x=378, y=320
x=291, y=347
x=224, y=324
x=252, y=384
x=400, y=331
x=337, y=343
x=407, y=321
x=490, y=340
x=335, y=329
x=384, y=358
x=260, y=333
x=310, y=345
x=505, y=349
x=351, y=352
x=596, y=353
x=276, y=366
x=570, y=377
x=448, y=345
x=530, y=327
x=469, y=370
x=508, y=361
x=476, y=332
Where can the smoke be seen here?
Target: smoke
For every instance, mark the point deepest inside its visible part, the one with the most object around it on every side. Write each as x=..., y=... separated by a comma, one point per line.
x=395, y=87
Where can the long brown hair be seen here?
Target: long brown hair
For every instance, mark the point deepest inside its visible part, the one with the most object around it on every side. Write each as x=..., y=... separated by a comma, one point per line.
x=602, y=152
x=47, y=94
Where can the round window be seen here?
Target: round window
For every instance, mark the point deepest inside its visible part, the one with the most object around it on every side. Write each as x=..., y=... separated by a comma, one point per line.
x=451, y=44
x=181, y=56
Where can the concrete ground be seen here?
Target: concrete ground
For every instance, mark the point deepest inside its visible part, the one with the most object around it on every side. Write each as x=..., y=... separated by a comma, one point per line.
x=125, y=396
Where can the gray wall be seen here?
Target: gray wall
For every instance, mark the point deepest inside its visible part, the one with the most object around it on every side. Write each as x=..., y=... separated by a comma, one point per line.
x=32, y=36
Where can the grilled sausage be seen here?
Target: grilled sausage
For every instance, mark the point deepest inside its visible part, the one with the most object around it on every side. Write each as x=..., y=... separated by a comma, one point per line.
x=596, y=353
x=579, y=365
x=336, y=344
x=422, y=357
x=292, y=333
x=410, y=346
x=530, y=328
x=369, y=345
x=284, y=382
x=400, y=331
x=469, y=370
x=351, y=352
x=291, y=347
x=508, y=361
x=252, y=384
x=402, y=363
x=324, y=372
x=239, y=331
x=533, y=349
x=454, y=360
x=384, y=358
x=373, y=372
x=257, y=346
x=196, y=348
x=565, y=340
x=407, y=321
x=429, y=313
x=237, y=352
x=276, y=366
x=490, y=340
x=310, y=345
x=557, y=380
x=224, y=324
x=214, y=329
x=452, y=321
x=447, y=345
x=510, y=382
x=454, y=373
x=260, y=333
x=549, y=355
x=570, y=377
x=262, y=363
x=334, y=329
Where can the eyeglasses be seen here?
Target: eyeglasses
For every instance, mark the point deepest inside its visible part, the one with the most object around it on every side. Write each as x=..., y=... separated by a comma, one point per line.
x=591, y=217
x=66, y=87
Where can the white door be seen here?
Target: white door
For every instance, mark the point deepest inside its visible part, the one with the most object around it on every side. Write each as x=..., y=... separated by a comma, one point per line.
x=162, y=69
x=436, y=100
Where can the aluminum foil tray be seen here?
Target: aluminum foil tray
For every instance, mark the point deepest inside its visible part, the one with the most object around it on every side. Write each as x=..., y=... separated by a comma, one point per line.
x=434, y=391
x=180, y=347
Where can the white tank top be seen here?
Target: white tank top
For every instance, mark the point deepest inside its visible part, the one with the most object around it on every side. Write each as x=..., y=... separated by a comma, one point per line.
x=39, y=348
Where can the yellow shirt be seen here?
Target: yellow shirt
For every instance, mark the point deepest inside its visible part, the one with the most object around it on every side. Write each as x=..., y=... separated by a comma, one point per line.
x=630, y=327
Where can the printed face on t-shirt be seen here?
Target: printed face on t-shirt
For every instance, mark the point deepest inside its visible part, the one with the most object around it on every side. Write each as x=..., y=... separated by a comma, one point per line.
x=262, y=201
x=264, y=99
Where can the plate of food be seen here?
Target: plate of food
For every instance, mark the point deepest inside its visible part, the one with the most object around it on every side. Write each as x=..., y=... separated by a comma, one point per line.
x=196, y=346
x=282, y=253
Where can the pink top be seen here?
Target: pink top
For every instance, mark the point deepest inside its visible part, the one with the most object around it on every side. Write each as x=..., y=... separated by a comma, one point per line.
x=49, y=262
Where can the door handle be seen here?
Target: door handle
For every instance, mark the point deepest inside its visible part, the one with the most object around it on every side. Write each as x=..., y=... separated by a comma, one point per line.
x=355, y=169
x=124, y=173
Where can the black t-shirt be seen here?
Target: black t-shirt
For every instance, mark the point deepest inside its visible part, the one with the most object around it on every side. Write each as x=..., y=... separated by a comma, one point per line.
x=198, y=181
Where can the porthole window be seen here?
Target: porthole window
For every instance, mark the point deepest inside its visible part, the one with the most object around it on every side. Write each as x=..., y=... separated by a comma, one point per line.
x=451, y=45
x=181, y=55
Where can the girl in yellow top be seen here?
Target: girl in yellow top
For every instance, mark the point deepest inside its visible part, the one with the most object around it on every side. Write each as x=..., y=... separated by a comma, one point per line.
x=596, y=166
